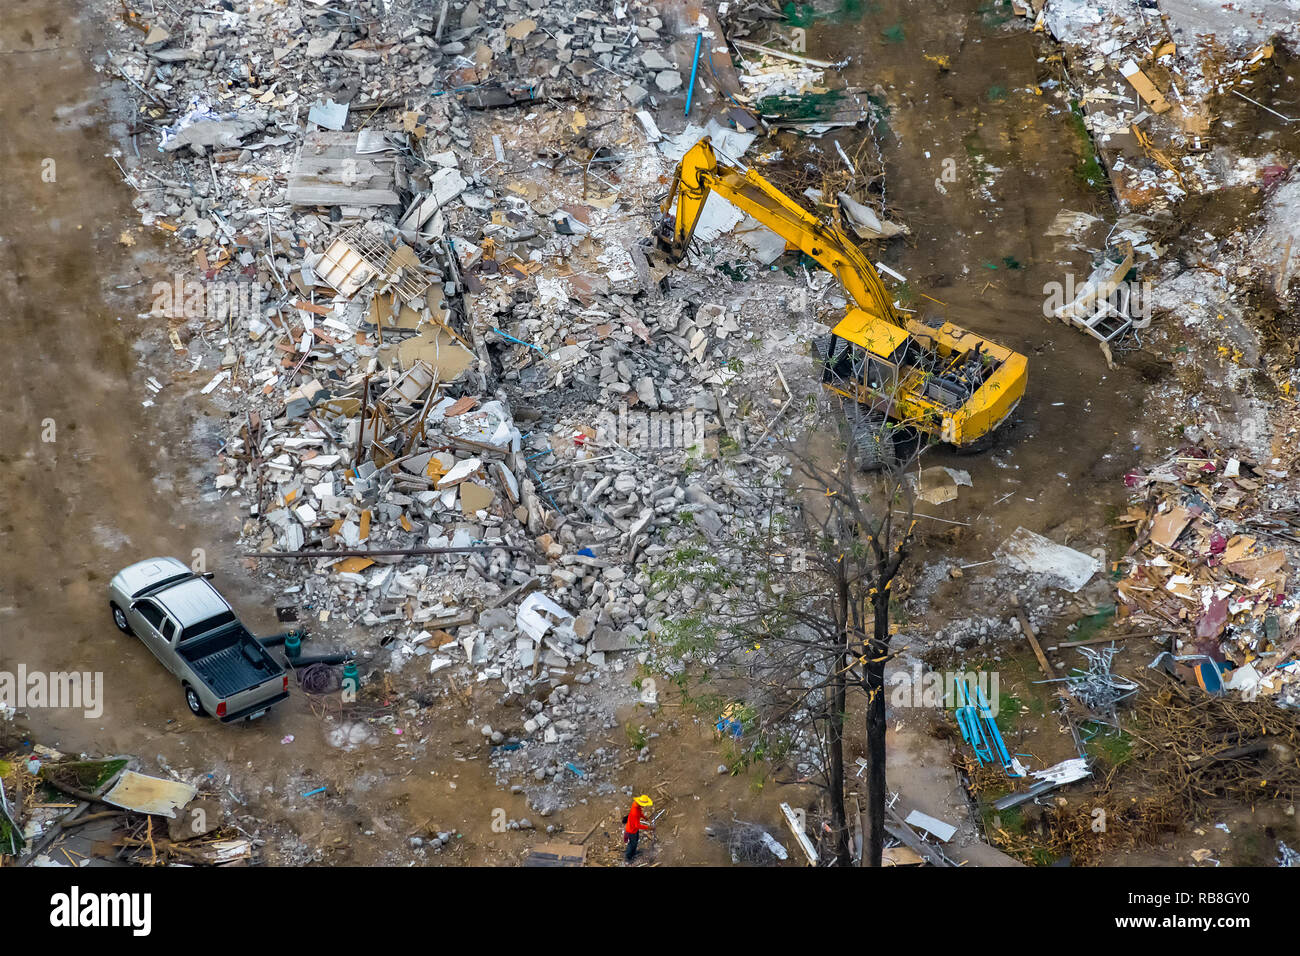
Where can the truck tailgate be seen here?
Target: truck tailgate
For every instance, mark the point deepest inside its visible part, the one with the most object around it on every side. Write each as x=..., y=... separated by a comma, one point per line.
x=250, y=702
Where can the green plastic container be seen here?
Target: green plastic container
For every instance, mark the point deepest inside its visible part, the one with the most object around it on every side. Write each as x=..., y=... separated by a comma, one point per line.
x=351, y=678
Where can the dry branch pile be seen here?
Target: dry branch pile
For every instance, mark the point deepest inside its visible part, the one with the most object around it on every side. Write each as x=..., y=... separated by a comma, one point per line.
x=1193, y=754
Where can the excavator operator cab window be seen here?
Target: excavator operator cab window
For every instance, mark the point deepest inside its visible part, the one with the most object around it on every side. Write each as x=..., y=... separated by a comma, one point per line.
x=881, y=372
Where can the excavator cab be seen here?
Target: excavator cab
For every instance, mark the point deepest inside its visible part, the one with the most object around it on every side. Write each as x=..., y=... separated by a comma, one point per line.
x=865, y=350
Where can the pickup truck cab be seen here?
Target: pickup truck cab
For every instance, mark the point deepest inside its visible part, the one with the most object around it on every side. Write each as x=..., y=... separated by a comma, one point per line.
x=224, y=670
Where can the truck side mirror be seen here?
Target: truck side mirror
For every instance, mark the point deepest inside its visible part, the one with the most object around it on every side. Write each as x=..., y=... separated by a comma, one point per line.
x=208, y=575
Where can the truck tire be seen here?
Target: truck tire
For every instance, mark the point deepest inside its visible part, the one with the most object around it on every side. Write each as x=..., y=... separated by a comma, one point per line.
x=192, y=701
x=119, y=618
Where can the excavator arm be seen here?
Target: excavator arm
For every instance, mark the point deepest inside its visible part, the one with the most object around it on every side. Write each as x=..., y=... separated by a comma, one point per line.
x=700, y=173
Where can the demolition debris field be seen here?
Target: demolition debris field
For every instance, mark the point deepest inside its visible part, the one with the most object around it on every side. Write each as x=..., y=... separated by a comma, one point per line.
x=363, y=307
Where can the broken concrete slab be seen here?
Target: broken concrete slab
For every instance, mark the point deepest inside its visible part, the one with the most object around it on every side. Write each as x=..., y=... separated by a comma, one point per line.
x=329, y=171
x=1062, y=567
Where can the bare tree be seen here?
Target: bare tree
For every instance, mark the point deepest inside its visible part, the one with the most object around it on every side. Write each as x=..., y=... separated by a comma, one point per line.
x=797, y=609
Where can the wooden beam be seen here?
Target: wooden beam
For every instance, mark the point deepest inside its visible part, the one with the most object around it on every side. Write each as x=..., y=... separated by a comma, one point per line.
x=800, y=837
x=1033, y=640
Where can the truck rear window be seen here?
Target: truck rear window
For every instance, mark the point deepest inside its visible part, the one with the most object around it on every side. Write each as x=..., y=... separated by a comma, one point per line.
x=211, y=624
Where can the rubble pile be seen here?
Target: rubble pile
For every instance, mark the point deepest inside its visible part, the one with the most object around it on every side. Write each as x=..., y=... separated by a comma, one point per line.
x=466, y=412
x=471, y=410
x=1153, y=91
x=120, y=815
x=1154, y=73
x=1211, y=562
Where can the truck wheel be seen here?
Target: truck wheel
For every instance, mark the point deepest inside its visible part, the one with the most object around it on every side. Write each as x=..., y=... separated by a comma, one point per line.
x=196, y=705
x=119, y=618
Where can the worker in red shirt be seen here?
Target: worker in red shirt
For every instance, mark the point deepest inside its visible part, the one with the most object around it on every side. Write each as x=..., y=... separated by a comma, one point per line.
x=635, y=824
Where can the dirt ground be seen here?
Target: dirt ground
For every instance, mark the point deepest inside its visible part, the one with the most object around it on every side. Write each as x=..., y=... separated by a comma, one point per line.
x=121, y=480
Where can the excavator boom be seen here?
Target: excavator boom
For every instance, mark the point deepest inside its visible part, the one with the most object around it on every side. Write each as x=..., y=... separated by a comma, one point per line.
x=700, y=173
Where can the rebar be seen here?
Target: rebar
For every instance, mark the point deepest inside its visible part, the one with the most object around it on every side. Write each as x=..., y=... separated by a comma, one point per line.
x=1098, y=688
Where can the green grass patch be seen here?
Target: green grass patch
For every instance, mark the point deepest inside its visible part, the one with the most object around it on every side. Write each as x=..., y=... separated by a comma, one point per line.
x=636, y=735
x=1086, y=628
x=906, y=295
x=1088, y=170
x=11, y=837
x=1103, y=742
x=86, y=775
x=1013, y=822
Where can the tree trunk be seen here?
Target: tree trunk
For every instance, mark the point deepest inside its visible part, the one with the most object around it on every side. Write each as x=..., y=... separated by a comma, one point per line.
x=874, y=839
x=838, y=693
x=835, y=733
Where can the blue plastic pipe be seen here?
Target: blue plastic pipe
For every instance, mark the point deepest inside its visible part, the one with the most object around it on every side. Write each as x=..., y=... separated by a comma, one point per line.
x=695, y=65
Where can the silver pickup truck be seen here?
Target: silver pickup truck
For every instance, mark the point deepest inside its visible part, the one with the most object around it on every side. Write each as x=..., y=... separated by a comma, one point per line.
x=224, y=670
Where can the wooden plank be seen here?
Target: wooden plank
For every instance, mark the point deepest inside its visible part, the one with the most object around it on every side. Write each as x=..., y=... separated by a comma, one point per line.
x=1105, y=640
x=1146, y=89
x=800, y=837
x=1028, y=630
x=557, y=854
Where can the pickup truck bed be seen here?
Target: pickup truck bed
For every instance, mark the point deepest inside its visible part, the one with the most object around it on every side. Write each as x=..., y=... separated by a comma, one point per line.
x=229, y=661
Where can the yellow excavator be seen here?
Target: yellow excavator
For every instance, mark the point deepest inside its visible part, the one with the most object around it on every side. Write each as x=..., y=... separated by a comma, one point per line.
x=943, y=382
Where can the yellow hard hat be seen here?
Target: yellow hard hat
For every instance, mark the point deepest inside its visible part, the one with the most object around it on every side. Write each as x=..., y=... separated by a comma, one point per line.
x=644, y=801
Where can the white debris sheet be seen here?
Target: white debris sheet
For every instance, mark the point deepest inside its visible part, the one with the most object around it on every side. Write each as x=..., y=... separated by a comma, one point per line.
x=538, y=614
x=1067, y=771
x=943, y=832
x=1032, y=553
x=143, y=794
